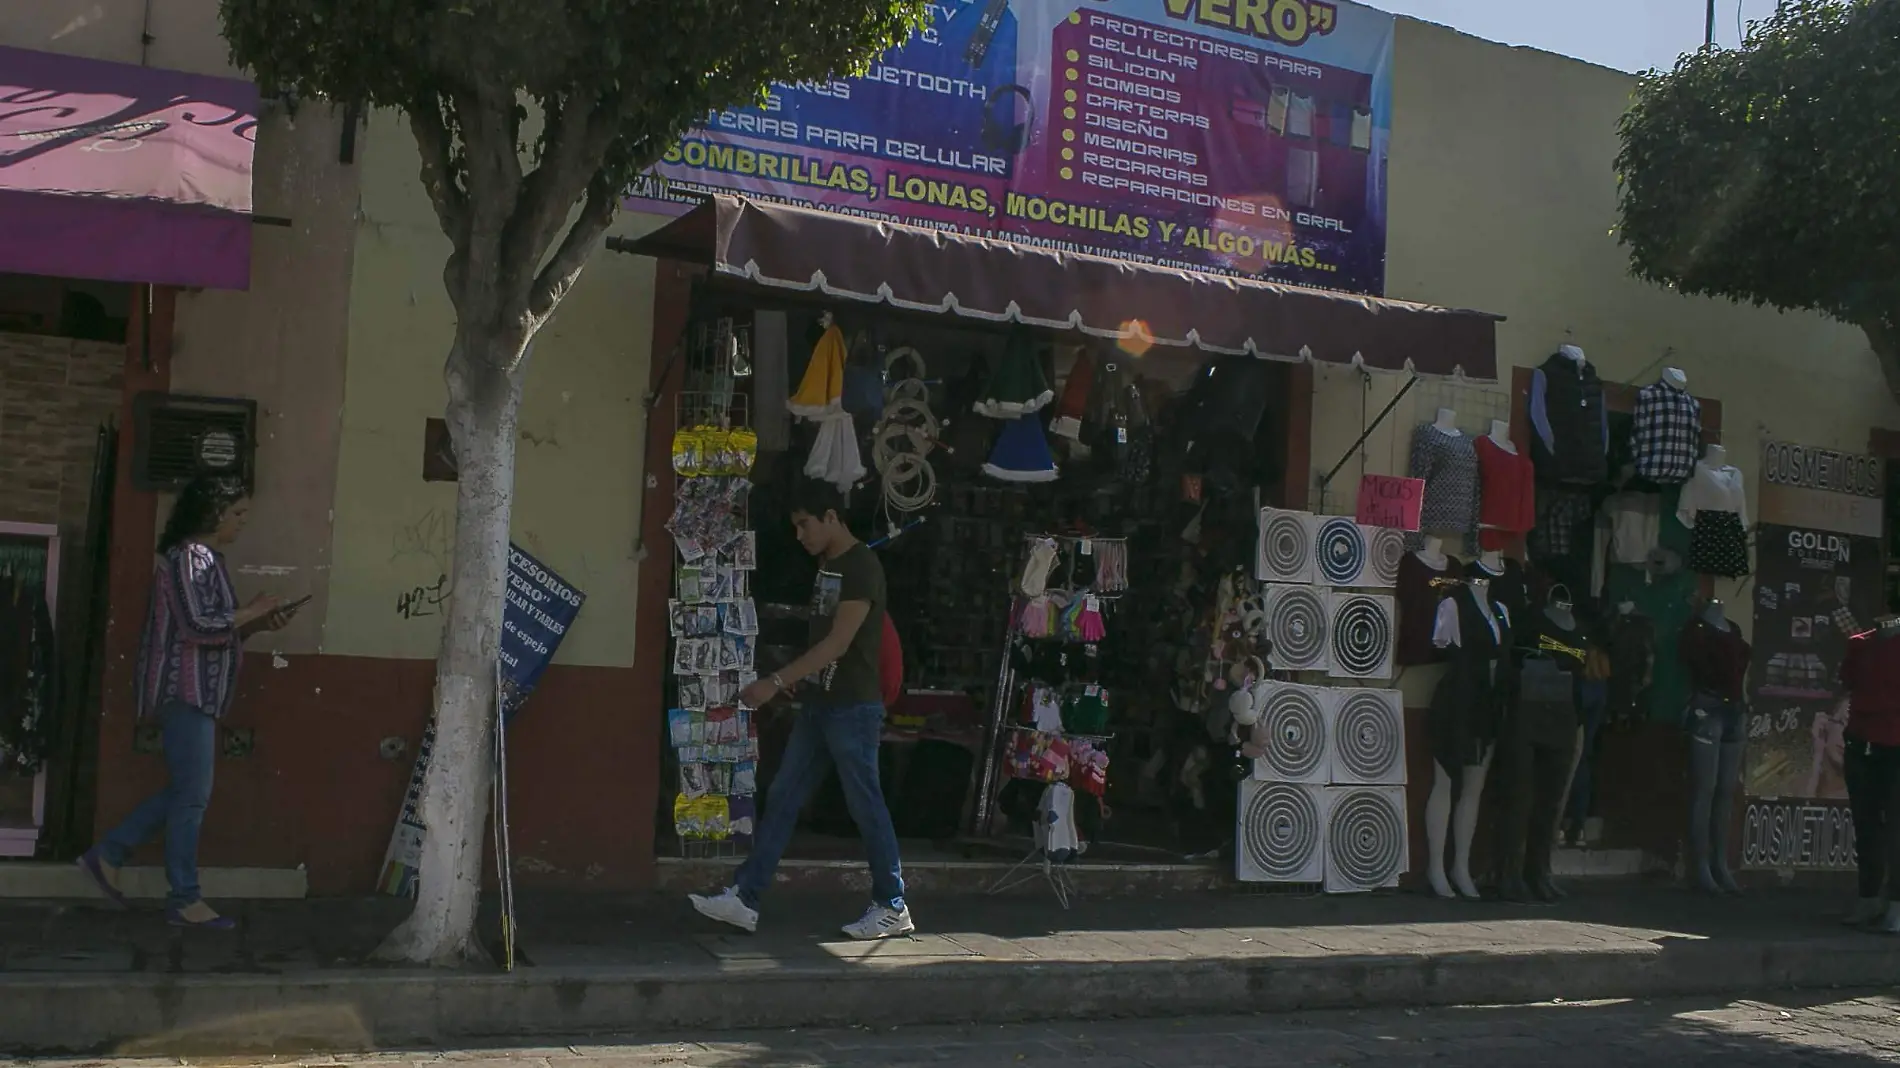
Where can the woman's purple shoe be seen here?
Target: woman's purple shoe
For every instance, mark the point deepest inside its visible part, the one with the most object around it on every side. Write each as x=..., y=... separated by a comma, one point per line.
x=177, y=918
x=95, y=870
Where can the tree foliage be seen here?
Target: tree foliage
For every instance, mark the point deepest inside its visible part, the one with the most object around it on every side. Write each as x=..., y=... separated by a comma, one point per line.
x=614, y=82
x=1767, y=174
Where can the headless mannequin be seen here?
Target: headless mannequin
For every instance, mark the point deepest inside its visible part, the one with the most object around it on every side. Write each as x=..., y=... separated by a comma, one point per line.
x=1446, y=423
x=1432, y=553
x=1573, y=354
x=1501, y=436
x=1715, y=456
x=1559, y=611
x=1457, y=822
x=1715, y=774
x=1492, y=560
x=1675, y=377
x=1880, y=913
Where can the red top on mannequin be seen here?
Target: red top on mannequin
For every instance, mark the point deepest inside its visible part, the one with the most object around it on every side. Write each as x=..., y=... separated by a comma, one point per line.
x=1871, y=673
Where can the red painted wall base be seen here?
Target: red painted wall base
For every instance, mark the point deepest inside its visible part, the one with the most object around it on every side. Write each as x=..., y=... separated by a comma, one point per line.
x=317, y=792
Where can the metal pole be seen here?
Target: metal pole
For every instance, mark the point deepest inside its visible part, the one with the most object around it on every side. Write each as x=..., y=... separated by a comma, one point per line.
x=1709, y=37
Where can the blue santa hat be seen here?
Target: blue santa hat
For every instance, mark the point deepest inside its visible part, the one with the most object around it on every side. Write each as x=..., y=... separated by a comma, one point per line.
x=1021, y=453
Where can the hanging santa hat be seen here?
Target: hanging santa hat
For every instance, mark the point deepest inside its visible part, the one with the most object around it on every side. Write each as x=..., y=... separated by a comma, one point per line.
x=1021, y=453
x=1017, y=386
x=820, y=391
x=834, y=453
x=1075, y=397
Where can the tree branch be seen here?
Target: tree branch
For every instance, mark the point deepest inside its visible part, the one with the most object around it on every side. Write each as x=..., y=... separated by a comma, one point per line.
x=559, y=178
x=564, y=267
x=438, y=170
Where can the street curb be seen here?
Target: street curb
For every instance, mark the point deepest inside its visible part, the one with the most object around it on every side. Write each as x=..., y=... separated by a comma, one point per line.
x=359, y=1010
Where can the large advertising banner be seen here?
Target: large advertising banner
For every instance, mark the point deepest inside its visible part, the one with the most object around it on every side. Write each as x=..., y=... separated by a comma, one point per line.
x=1818, y=580
x=1244, y=137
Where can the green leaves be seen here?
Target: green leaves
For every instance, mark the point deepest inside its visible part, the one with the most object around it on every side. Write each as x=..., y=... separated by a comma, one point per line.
x=1768, y=174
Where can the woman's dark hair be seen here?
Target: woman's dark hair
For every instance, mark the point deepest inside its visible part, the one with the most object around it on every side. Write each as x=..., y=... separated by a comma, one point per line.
x=815, y=497
x=199, y=509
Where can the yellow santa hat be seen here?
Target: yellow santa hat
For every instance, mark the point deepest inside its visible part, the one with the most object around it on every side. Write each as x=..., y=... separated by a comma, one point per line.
x=820, y=391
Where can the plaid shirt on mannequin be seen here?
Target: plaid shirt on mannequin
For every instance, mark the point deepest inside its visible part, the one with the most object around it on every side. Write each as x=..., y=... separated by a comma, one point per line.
x=1667, y=436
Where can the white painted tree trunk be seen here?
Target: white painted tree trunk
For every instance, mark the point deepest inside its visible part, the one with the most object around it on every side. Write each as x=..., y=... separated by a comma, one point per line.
x=484, y=400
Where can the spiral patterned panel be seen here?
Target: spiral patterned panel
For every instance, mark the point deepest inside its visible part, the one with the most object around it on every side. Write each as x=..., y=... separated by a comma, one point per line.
x=1296, y=625
x=1339, y=551
x=1368, y=737
x=1386, y=549
x=1365, y=839
x=1294, y=726
x=1285, y=546
x=1362, y=634
x=1279, y=834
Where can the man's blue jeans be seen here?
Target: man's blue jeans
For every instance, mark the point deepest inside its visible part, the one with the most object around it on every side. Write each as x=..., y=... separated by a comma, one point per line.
x=822, y=736
x=190, y=738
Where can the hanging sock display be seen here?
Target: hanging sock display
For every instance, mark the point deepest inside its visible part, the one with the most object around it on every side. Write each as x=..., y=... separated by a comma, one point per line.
x=1021, y=453
x=1017, y=387
x=821, y=391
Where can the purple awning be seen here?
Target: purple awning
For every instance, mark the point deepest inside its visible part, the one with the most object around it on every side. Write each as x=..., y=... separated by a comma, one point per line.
x=124, y=173
x=787, y=247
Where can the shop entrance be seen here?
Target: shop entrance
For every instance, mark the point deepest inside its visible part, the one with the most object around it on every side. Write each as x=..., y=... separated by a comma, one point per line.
x=62, y=363
x=1122, y=480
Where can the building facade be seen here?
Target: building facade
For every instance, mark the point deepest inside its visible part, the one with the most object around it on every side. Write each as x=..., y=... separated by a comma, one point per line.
x=1501, y=198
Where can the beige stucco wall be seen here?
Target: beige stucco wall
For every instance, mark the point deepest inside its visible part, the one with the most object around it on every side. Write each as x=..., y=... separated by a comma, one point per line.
x=1502, y=199
x=579, y=463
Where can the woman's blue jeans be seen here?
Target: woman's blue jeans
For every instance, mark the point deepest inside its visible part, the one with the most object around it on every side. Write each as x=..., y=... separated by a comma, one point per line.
x=190, y=739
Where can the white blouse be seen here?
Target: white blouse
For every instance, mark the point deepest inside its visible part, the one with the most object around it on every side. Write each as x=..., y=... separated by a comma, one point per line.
x=1713, y=489
x=1448, y=631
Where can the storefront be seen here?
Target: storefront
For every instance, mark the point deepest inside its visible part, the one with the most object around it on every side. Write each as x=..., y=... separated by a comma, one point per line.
x=119, y=185
x=1060, y=458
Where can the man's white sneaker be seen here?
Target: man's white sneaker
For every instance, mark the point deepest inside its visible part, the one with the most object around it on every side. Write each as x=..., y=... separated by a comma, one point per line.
x=728, y=908
x=879, y=921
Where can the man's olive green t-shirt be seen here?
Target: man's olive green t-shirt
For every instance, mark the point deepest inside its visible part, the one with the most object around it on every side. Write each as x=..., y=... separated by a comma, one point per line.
x=854, y=575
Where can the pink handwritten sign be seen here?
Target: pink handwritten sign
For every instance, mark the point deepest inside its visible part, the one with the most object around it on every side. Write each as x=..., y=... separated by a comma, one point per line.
x=1390, y=501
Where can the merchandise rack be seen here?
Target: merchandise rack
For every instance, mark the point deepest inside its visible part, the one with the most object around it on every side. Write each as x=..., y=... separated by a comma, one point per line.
x=718, y=353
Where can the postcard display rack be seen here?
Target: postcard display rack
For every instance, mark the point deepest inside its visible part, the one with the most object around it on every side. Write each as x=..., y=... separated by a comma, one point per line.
x=1051, y=710
x=711, y=617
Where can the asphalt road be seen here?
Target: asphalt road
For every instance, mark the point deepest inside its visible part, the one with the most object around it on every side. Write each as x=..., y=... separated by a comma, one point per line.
x=1825, y=1030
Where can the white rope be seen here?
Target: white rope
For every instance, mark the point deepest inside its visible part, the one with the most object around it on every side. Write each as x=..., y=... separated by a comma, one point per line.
x=905, y=436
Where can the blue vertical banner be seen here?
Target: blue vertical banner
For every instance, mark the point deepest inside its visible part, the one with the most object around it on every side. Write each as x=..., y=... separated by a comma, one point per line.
x=539, y=610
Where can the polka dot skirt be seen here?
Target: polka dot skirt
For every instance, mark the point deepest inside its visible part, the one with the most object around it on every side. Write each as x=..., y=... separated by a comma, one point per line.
x=1718, y=545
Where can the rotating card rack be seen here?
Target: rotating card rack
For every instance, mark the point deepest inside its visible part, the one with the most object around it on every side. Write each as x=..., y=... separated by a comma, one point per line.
x=714, y=742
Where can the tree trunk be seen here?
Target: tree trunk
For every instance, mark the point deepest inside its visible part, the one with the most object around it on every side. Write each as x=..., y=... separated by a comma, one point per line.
x=484, y=398
x=1884, y=337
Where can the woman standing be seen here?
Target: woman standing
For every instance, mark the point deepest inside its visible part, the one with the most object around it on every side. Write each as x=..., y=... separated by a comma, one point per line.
x=188, y=668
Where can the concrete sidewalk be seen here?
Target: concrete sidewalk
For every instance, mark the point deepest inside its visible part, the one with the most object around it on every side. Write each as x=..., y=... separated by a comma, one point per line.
x=79, y=978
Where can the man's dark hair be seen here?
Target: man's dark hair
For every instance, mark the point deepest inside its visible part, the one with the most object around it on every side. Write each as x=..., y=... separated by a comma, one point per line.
x=815, y=497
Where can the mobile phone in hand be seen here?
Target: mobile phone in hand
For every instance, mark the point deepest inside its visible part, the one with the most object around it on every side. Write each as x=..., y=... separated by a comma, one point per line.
x=293, y=607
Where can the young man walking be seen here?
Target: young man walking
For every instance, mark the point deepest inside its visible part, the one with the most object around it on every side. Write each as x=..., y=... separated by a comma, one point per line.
x=840, y=722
